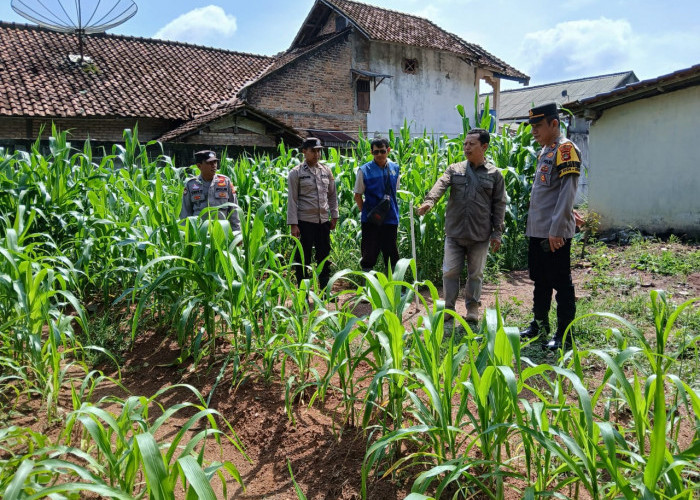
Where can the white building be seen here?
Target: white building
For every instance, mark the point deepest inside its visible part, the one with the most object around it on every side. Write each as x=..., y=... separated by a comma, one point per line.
x=642, y=147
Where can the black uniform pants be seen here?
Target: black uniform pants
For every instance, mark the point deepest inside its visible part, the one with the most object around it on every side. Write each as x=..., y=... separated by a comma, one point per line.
x=318, y=236
x=376, y=239
x=552, y=271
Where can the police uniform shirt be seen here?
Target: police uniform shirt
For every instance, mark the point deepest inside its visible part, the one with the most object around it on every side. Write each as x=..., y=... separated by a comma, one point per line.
x=477, y=203
x=311, y=194
x=200, y=194
x=554, y=191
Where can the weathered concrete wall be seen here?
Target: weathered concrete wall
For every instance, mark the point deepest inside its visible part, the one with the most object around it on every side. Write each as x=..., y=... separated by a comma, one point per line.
x=427, y=99
x=645, y=168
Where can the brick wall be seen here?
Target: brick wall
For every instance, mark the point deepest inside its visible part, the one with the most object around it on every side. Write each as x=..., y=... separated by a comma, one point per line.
x=314, y=92
x=97, y=129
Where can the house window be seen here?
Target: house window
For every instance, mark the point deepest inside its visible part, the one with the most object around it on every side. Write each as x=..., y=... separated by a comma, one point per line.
x=410, y=66
x=363, y=95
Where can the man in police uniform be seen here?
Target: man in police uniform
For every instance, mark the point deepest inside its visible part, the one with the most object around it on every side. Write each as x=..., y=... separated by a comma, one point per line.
x=210, y=189
x=312, y=209
x=473, y=219
x=551, y=225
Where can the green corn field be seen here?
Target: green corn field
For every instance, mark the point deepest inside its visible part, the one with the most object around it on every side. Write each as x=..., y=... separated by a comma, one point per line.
x=451, y=416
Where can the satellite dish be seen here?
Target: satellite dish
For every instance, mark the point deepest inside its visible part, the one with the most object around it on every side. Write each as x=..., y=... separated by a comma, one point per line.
x=82, y=17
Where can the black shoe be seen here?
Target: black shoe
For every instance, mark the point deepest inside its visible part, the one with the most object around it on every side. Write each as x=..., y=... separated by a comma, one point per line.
x=534, y=330
x=555, y=343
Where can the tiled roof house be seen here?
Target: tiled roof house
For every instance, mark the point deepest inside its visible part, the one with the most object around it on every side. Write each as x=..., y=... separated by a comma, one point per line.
x=156, y=83
x=352, y=67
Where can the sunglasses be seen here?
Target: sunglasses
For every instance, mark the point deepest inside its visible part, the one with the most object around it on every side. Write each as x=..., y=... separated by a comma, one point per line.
x=379, y=152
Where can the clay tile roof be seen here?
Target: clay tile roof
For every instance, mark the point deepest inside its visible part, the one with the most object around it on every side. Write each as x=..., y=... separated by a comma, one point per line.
x=129, y=76
x=396, y=27
x=228, y=108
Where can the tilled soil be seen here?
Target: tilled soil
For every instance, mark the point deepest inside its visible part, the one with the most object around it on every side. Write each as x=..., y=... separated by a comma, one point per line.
x=324, y=451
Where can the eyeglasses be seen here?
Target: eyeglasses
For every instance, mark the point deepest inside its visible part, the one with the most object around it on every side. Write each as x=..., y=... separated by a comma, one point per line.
x=379, y=152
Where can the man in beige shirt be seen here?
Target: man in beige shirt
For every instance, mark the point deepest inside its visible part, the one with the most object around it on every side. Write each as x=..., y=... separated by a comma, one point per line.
x=473, y=219
x=312, y=210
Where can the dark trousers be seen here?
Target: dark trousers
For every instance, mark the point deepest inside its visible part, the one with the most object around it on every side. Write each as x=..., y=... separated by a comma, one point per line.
x=318, y=236
x=552, y=271
x=376, y=239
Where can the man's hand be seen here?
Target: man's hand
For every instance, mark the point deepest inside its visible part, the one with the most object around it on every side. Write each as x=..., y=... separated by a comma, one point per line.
x=555, y=243
x=578, y=218
x=334, y=222
x=495, y=244
x=294, y=229
x=424, y=209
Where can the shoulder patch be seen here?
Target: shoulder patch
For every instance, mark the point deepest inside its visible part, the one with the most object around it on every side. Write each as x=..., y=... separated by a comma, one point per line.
x=567, y=152
x=568, y=161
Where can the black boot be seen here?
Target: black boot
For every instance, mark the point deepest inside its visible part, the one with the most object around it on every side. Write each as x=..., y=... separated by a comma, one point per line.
x=536, y=328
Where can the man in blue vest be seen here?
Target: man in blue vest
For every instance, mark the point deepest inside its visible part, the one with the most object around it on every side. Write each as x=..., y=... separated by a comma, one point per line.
x=376, y=184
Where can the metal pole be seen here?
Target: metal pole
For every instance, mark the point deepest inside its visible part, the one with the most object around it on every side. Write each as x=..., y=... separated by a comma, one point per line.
x=413, y=245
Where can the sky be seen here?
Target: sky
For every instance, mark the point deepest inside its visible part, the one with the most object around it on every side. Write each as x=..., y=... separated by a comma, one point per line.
x=549, y=40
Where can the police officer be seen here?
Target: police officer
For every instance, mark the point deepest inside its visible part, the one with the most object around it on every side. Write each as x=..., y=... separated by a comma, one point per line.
x=210, y=189
x=551, y=225
x=312, y=209
x=473, y=219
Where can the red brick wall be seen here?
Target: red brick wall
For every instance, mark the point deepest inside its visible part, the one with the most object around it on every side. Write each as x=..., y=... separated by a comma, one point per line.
x=314, y=92
x=97, y=129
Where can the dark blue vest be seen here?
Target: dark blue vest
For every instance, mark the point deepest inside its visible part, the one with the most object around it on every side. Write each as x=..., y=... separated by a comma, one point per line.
x=374, y=178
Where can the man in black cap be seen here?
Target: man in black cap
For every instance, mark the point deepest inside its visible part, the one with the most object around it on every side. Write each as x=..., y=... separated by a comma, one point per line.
x=210, y=189
x=551, y=225
x=376, y=184
x=312, y=210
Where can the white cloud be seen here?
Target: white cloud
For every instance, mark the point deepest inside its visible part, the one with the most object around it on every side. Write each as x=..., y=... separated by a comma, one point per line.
x=656, y=55
x=205, y=26
x=578, y=48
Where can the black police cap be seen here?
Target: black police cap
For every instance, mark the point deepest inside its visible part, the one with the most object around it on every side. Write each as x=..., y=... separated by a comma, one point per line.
x=539, y=113
x=205, y=155
x=311, y=142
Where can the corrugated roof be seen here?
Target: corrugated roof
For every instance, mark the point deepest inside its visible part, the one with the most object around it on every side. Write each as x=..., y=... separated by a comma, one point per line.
x=515, y=104
x=390, y=26
x=129, y=76
x=594, y=105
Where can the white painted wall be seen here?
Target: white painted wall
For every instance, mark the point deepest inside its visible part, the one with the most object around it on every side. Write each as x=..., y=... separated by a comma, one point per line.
x=645, y=164
x=426, y=99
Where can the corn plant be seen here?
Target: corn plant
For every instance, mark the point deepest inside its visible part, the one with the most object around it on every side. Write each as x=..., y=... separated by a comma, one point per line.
x=126, y=446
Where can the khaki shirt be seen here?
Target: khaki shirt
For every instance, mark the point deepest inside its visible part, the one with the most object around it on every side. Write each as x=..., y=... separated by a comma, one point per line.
x=200, y=194
x=311, y=194
x=554, y=191
x=477, y=203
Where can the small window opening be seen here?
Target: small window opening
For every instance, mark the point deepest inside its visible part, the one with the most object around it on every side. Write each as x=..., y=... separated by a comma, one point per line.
x=410, y=66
